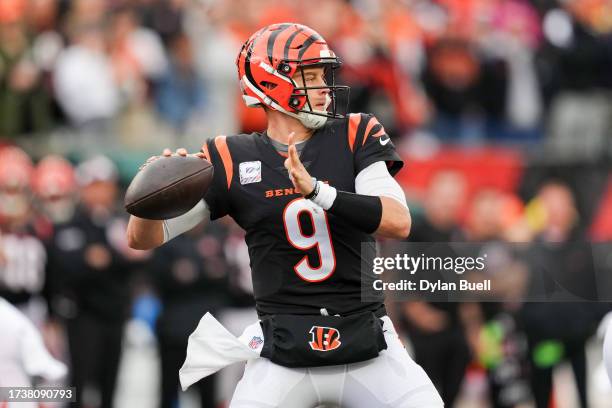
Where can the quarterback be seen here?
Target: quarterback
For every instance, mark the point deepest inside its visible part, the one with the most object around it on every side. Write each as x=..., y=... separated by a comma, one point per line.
x=310, y=192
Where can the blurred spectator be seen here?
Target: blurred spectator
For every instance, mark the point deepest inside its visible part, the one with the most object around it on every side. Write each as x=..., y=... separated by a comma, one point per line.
x=84, y=80
x=435, y=328
x=180, y=92
x=575, y=66
x=563, y=263
x=495, y=334
x=190, y=278
x=165, y=17
x=514, y=37
x=86, y=12
x=483, y=221
x=560, y=213
x=137, y=55
x=55, y=199
x=54, y=185
x=481, y=74
x=25, y=105
x=443, y=204
x=380, y=44
x=216, y=35
x=91, y=271
x=577, y=45
x=15, y=175
x=468, y=94
x=22, y=274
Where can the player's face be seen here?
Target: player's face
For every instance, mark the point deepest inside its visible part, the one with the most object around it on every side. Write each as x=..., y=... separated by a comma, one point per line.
x=314, y=77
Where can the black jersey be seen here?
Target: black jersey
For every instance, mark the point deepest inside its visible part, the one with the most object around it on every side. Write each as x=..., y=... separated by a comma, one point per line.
x=302, y=258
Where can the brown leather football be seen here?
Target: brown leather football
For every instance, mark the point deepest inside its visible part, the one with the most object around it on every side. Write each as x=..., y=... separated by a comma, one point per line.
x=168, y=187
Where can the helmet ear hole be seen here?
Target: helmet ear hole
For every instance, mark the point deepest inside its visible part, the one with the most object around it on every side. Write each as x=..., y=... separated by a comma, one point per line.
x=268, y=85
x=295, y=102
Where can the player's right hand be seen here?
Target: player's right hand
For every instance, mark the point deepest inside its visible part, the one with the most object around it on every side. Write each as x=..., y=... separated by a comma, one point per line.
x=181, y=151
x=298, y=174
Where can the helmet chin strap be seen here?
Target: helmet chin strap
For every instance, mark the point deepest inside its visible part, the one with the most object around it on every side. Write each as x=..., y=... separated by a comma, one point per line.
x=311, y=121
x=315, y=121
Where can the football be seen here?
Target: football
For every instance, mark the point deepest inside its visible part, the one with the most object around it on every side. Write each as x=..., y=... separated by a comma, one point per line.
x=168, y=187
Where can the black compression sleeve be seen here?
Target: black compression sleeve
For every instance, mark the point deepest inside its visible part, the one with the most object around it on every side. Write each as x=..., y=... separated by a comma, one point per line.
x=362, y=211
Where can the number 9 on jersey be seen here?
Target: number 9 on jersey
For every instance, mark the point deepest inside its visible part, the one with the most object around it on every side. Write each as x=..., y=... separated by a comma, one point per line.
x=320, y=237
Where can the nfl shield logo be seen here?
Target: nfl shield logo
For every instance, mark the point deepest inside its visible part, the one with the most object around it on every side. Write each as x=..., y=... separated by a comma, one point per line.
x=255, y=342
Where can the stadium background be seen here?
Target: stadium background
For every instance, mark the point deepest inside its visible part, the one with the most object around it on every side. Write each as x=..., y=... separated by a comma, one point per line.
x=501, y=109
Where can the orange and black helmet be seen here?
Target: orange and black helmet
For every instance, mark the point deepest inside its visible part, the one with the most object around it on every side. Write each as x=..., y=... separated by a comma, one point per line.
x=270, y=58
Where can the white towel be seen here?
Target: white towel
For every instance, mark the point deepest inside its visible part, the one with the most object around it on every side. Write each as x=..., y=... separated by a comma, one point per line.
x=211, y=347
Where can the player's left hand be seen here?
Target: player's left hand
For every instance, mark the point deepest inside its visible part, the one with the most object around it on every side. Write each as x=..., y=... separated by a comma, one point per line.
x=298, y=174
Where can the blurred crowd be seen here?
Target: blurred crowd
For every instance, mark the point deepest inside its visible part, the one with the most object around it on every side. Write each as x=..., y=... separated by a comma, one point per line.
x=127, y=77
x=515, y=344
x=140, y=73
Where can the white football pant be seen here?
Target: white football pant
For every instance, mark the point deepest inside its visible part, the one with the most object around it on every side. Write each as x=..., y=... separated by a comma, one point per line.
x=391, y=380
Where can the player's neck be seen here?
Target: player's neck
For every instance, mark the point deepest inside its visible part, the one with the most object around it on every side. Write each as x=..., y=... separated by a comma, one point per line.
x=279, y=129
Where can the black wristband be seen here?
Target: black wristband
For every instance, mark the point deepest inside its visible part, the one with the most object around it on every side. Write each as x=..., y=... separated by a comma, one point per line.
x=362, y=211
x=315, y=190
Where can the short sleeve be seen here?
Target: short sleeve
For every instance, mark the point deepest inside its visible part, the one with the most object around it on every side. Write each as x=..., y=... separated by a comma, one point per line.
x=372, y=144
x=217, y=197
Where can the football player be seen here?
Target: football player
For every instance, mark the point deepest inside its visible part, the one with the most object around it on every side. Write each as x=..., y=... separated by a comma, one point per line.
x=310, y=192
x=23, y=276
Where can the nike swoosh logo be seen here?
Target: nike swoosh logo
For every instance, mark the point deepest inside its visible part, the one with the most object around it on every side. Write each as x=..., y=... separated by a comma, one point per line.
x=384, y=142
